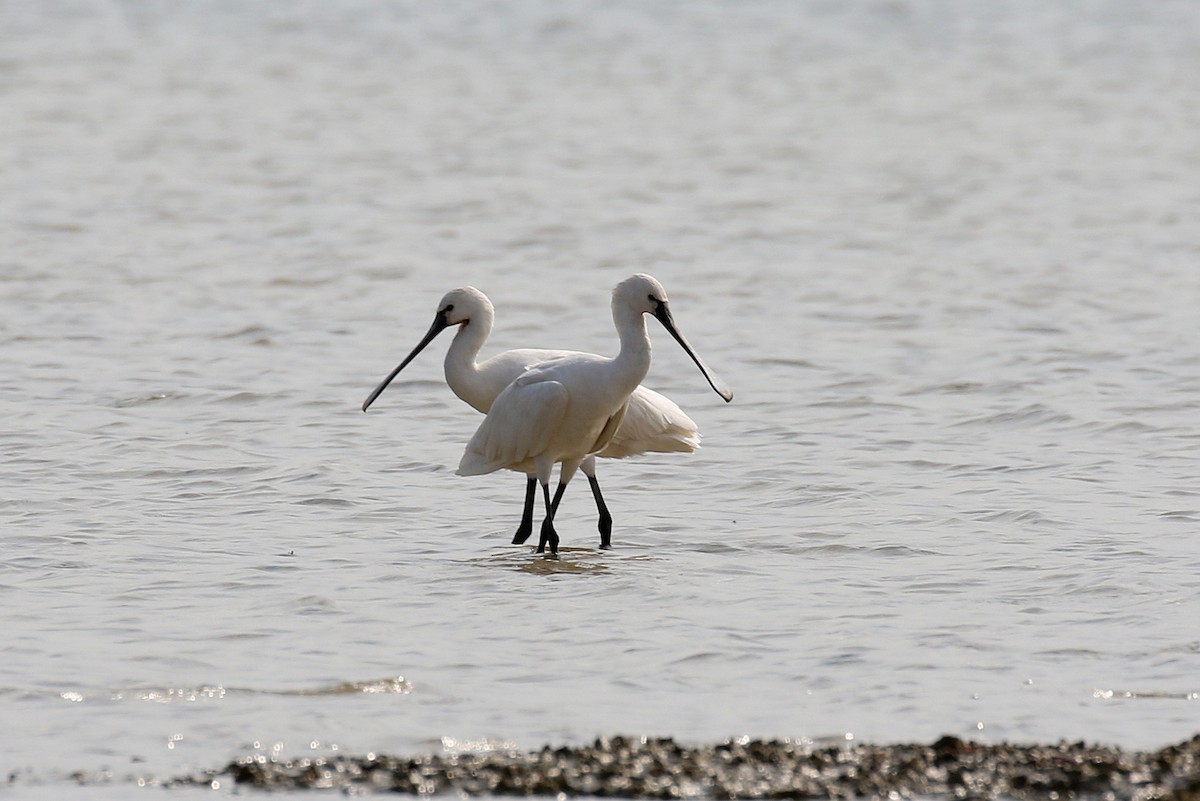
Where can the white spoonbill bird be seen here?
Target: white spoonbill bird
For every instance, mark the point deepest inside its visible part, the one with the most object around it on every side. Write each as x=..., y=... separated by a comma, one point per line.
x=564, y=410
x=653, y=423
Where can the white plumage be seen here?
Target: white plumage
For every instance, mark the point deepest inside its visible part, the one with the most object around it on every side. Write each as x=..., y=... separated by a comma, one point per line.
x=653, y=423
x=564, y=410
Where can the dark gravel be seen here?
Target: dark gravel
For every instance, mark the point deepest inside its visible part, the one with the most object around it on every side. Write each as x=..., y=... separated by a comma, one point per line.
x=624, y=767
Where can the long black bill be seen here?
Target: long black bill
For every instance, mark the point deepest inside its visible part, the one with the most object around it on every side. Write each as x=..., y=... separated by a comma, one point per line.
x=439, y=325
x=663, y=313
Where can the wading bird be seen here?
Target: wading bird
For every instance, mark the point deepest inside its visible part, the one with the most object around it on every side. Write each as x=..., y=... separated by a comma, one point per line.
x=653, y=423
x=566, y=409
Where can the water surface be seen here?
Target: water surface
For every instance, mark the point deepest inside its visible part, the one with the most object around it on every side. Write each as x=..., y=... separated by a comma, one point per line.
x=944, y=253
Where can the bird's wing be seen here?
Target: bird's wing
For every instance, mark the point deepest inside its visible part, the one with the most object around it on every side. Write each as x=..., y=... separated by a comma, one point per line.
x=504, y=368
x=610, y=427
x=653, y=423
x=529, y=358
x=517, y=427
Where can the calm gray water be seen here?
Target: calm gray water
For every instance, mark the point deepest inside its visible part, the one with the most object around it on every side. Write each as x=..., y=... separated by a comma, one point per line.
x=947, y=254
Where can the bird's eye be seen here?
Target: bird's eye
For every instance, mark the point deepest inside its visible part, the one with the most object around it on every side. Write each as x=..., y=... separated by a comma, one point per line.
x=449, y=307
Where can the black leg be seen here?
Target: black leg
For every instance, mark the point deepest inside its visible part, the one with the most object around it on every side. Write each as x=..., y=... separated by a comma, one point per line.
x=558, y=493
x=526, y=527
x=549, y=535
x=605, y=524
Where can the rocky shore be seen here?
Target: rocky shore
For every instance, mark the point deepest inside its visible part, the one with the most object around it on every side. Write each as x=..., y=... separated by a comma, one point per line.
x=636, y=768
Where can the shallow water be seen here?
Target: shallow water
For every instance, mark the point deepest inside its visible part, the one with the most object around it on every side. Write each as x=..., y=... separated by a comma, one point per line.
x=944, y=253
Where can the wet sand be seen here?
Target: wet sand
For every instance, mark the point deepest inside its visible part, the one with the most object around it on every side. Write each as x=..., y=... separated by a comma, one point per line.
x=624, y=767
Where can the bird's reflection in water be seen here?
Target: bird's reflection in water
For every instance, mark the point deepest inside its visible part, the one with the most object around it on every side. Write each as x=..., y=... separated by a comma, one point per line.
x=573, y=561
x=567, y=560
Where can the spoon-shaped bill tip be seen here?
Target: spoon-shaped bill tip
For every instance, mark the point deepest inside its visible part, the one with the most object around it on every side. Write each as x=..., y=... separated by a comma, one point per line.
x=720, y=387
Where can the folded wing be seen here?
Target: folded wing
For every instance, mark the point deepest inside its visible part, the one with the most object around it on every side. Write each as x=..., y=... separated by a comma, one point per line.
x=653, y=423
x=518, y=426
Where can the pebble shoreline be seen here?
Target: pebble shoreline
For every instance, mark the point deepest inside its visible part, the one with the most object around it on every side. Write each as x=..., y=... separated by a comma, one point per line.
x=648, y=768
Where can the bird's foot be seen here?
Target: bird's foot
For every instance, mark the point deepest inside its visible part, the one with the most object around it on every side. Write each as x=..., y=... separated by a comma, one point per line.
x=523, y=532
x=605, y=533
x=549, y=537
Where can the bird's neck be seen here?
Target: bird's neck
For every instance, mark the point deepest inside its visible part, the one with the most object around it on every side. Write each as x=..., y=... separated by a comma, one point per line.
x=461, y=371
x=634, y=358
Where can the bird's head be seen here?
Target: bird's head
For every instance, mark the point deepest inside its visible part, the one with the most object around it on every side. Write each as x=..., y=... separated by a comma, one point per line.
x=460, y=306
